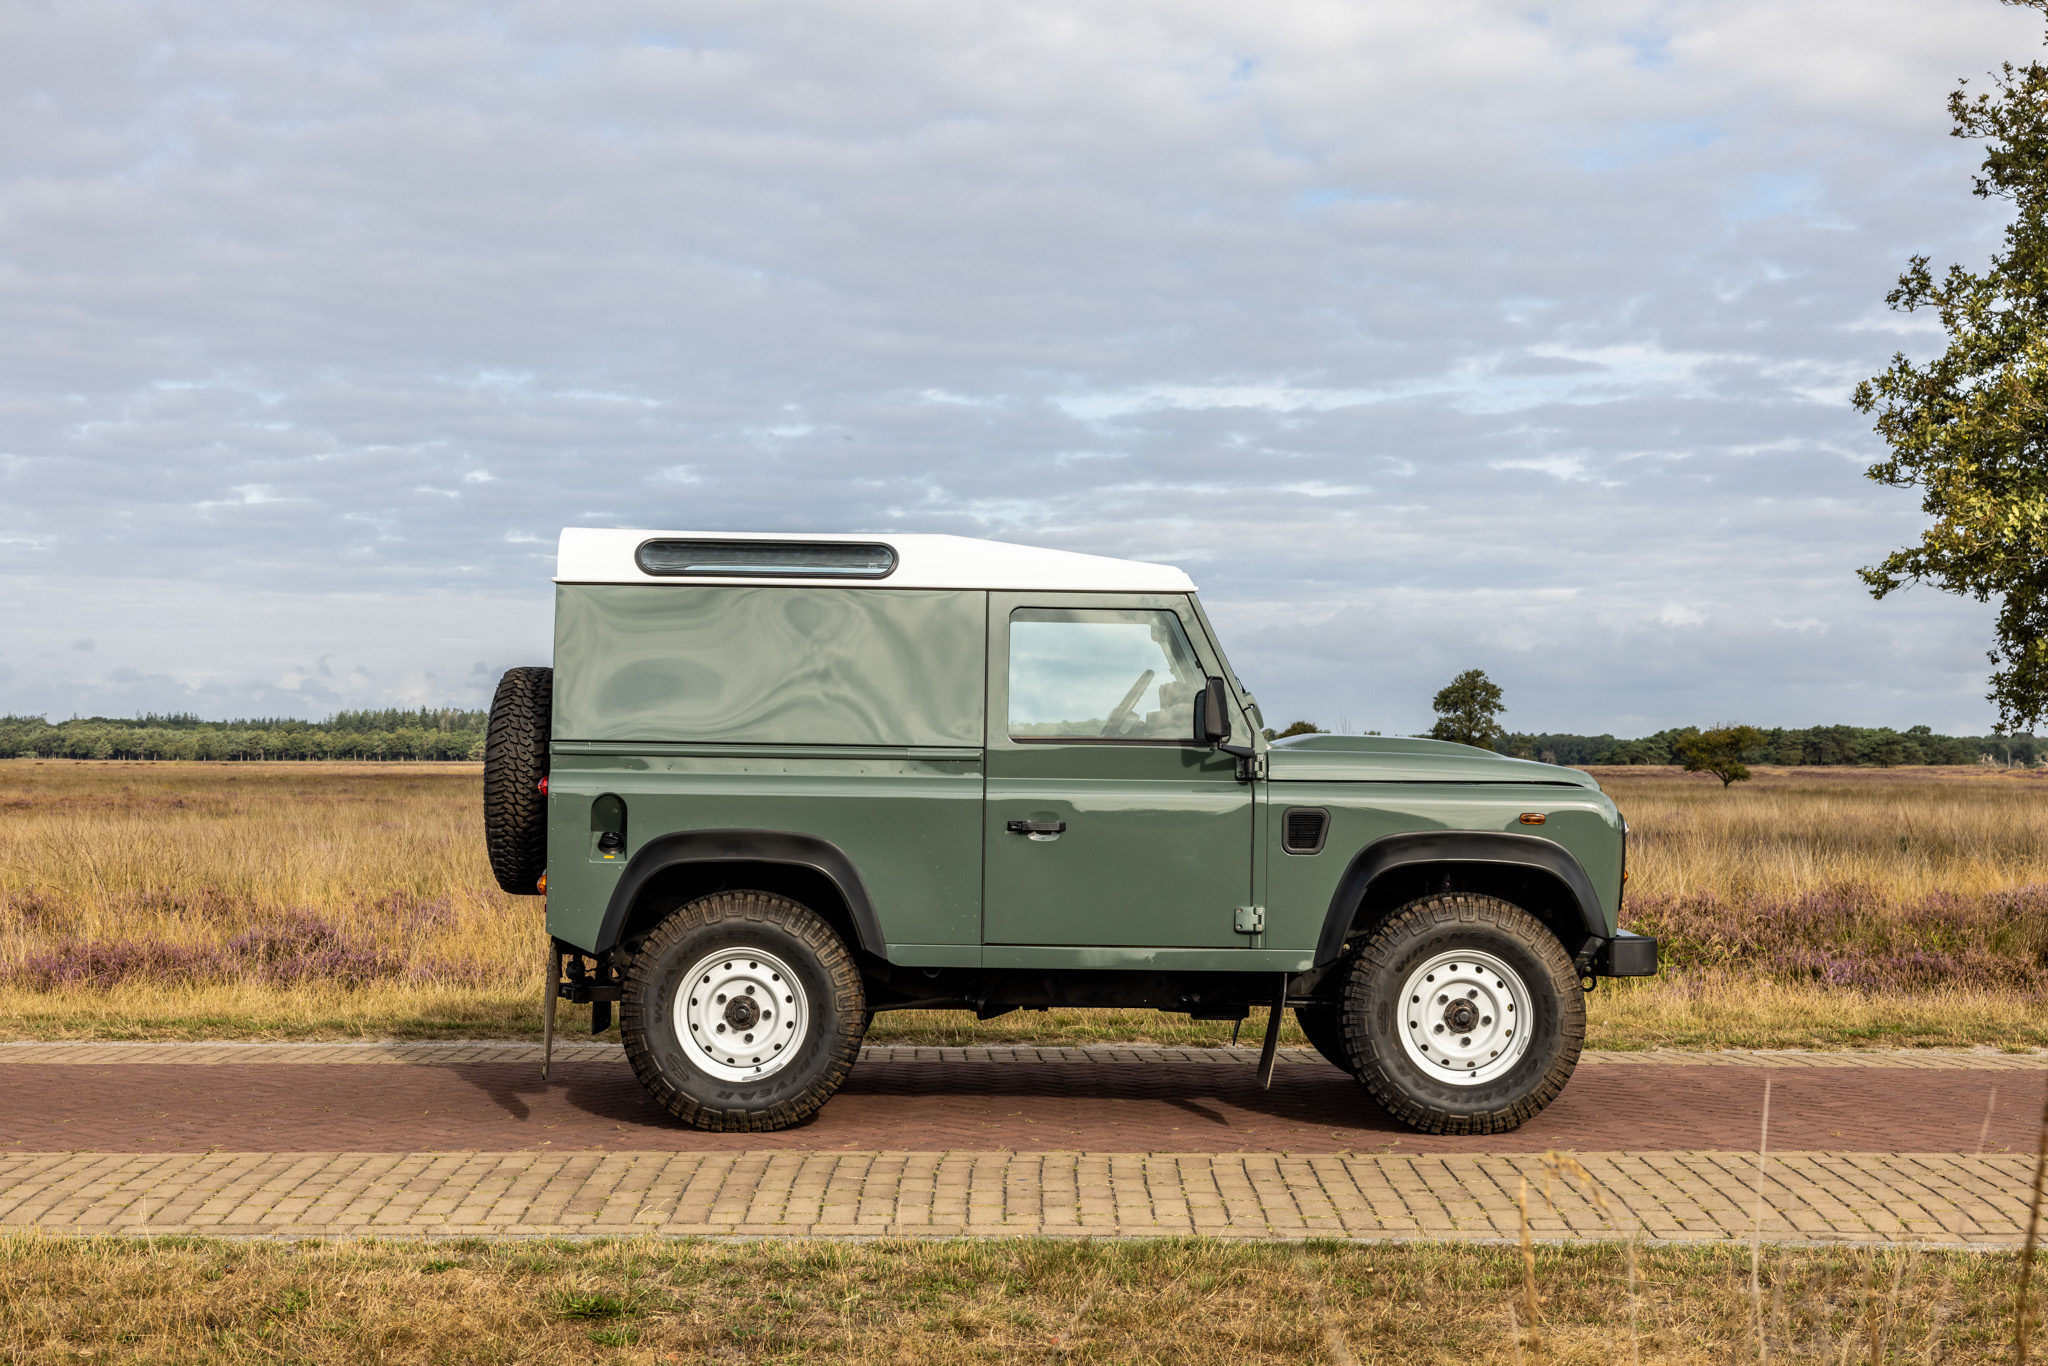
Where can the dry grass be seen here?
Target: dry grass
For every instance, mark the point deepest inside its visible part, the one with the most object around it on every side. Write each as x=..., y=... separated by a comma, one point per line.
x=1831, y=907
x=1719, y=1009
x=193, y=856
x=101, y=836
x=387, y=862
x=920, y=1303
x=1915, y=832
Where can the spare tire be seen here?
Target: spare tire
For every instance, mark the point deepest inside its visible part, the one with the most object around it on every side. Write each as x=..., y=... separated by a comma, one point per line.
x=515, y=765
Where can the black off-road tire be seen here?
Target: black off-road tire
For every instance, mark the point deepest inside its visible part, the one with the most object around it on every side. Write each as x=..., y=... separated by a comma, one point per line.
x=793, y=934
x=1373, y=1014
x=1324, y=1026
x=515, y=762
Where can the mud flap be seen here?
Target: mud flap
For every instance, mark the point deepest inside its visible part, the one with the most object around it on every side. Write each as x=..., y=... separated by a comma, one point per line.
x=547, y=1008
x=1271, y=1051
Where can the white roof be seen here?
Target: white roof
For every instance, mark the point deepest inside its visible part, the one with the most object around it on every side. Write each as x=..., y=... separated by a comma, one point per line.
x=600, y=555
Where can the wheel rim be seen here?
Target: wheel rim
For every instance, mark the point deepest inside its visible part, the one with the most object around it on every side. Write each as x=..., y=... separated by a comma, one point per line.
x=1465, y=1018
x=741, y=1014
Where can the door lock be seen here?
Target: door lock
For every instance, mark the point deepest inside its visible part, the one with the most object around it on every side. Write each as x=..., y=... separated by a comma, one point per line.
x=1250, y=920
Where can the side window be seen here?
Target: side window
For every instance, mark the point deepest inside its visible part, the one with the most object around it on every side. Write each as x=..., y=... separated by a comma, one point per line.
x=1101, y=674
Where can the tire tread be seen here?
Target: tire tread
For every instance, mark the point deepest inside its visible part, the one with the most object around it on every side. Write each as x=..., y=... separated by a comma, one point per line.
x=515, y=760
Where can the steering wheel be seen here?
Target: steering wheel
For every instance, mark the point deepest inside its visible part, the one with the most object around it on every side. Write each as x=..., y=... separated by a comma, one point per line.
x=1121, y=717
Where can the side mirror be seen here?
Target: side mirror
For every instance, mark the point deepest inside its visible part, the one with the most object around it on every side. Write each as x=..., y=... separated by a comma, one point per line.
x=1212, y=712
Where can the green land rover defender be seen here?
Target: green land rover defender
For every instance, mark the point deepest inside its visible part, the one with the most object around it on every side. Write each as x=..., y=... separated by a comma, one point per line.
x=774, y=784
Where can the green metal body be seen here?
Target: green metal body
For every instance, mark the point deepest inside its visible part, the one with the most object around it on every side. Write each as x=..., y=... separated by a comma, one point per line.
x=871, y=719
x=1374, y=787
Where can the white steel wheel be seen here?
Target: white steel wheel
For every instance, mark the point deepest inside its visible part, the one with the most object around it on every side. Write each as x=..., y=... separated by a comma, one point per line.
x=754, y=963
x=1465, y=1017
x=1501, y=986
x=740, y=1014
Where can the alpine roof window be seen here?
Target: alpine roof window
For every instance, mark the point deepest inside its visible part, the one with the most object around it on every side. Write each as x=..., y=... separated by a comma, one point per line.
x=766, y=559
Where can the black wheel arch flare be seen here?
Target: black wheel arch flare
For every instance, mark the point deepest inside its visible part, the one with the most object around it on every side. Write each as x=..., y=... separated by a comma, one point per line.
x=688, y=847
x=1476, y=850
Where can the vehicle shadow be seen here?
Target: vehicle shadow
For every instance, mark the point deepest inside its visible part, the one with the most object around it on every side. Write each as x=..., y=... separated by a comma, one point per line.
x=1219, y=1097
x=1218, y=1093
x=602, y=1090
x=505, y=1085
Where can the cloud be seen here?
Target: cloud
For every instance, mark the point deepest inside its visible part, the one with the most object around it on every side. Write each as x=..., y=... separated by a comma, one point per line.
x=324, y=318
x=1678, y=614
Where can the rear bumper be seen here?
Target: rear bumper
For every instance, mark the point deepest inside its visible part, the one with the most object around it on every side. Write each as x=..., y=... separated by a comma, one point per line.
x=1626, y=955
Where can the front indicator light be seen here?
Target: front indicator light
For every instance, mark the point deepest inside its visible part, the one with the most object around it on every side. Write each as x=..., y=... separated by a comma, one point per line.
x=1532, y=818
x=543, y=884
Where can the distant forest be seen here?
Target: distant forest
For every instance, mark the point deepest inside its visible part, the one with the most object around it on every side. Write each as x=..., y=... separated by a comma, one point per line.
x=1881, y=748
x=450, y=733
x=428, y=733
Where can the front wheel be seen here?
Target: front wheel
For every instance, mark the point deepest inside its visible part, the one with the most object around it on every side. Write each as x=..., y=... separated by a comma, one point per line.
x=743, y=1012
x=1463, y=1015
x=1323, y=1025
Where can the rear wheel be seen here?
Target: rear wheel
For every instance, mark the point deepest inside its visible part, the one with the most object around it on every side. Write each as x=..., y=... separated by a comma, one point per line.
x=1463, y=1015
x=743, y=1012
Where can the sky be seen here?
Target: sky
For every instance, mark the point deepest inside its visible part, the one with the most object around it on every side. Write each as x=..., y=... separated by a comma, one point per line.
x=1427, y=335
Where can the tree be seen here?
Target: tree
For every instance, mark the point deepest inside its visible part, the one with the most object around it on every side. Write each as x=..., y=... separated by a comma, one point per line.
x=1886, y=749
x=1297, y=728
x=1466, y=708
x=1970, y=427
x=1718, y=751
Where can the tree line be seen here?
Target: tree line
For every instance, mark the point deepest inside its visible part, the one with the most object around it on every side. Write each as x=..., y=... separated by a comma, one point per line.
x=423, y=733
x=1870, y=746
x=1878, y=746
x=1468, y=707
x=452, y=733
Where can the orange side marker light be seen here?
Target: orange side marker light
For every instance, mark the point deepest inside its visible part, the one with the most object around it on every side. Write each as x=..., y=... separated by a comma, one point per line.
x=1532, y=818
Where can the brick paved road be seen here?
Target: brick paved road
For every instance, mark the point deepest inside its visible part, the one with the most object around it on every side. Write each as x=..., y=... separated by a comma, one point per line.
x=459, y=1140
x=1686, y=1197
x=935, y=1106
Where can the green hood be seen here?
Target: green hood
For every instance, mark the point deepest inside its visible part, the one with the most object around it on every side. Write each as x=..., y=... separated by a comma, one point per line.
x=1398, y=759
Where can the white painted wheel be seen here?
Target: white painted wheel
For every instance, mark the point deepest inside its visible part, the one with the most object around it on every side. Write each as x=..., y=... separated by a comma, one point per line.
x=1465, y=1017
x=740, y=1015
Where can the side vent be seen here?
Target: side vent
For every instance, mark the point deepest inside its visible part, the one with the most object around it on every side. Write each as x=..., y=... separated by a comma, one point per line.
x=1303, y=829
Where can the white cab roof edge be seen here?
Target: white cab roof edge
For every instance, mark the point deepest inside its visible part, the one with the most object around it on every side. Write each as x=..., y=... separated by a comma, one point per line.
x=603, y=555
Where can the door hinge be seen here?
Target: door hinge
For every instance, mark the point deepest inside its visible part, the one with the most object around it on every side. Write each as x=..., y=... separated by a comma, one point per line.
x=1250, y=920
x=1247, y=760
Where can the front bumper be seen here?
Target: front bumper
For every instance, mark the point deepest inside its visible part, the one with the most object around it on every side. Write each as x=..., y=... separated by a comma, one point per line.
x=1625, y=955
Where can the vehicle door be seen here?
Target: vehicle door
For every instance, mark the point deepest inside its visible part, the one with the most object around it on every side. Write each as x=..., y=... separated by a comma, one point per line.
x=1107, y=821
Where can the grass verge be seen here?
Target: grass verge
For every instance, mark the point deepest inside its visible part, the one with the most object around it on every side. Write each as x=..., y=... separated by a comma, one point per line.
x=926, y=1303
x=1714, y=1009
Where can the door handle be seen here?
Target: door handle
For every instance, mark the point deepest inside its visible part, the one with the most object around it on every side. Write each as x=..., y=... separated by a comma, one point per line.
x=1036, y=827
